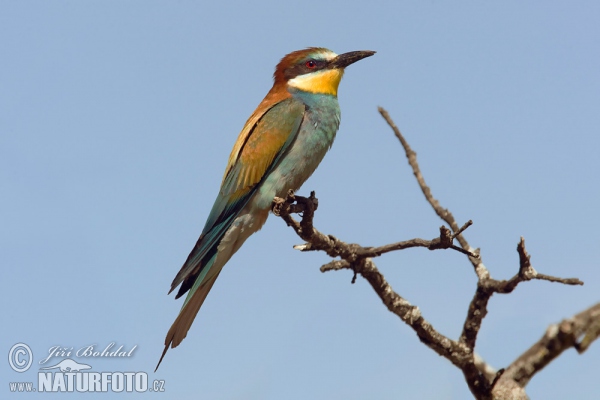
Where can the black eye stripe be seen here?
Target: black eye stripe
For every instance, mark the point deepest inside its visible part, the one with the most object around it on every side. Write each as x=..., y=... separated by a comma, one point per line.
x=301, y=68
x=319, y=64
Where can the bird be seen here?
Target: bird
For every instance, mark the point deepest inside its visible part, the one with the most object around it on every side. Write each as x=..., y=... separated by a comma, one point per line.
x=278, y=149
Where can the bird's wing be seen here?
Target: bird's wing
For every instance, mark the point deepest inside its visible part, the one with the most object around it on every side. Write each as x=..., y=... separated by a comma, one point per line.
x=265, y=139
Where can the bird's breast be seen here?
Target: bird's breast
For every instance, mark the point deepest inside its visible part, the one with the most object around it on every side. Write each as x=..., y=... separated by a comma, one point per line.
x=315, y=136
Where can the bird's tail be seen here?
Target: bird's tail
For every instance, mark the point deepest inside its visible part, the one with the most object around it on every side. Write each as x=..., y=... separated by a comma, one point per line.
x=191, y=306
x=198, y=276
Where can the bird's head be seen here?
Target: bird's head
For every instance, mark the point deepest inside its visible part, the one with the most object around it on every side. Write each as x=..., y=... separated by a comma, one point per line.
x=316, y=69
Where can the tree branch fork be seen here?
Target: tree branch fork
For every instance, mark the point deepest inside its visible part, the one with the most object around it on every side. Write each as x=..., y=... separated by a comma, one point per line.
x=483, y=381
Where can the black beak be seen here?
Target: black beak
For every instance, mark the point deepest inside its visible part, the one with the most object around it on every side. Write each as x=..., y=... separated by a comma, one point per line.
x=343, y=60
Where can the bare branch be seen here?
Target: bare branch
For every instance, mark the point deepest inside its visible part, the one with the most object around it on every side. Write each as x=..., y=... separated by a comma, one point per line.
x=334, y=247
x=487, y=287
x=526, y=273
x=356, y=259
x=443, y=213
x=410, y=314
x=444, y=241
x=484, y=382
x=557, y=339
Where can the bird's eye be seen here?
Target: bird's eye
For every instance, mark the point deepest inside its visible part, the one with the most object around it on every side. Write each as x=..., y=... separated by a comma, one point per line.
x=311, y=64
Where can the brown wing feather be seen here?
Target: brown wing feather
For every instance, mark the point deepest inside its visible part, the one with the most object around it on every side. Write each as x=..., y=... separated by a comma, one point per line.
x=277, y=93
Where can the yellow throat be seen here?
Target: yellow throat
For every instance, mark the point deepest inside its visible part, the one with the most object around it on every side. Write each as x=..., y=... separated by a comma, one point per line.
x=323, y=81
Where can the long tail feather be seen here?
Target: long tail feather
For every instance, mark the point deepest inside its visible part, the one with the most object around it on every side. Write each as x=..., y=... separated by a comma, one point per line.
x=193, y=302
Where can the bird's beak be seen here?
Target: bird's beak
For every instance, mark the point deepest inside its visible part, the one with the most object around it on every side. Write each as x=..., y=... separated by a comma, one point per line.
x=343, y=60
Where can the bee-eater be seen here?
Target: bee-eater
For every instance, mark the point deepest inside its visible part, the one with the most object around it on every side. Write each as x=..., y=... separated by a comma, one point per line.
x=280, y=146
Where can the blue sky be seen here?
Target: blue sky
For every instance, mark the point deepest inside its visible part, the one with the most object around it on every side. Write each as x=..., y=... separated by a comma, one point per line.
x=116, y=121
